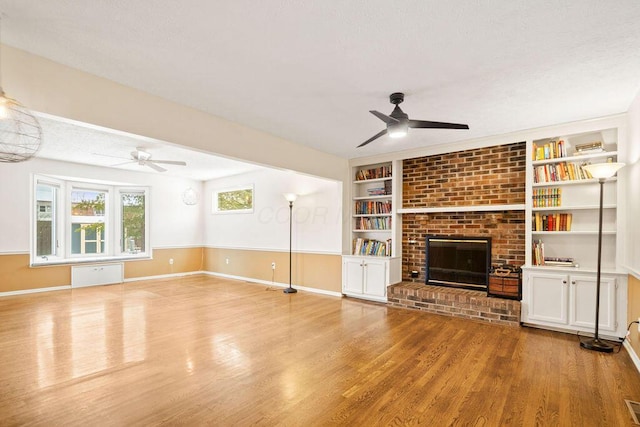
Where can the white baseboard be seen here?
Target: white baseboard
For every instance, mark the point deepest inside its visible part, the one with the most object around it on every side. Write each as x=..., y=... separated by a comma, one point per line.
x=35, y=291
x=280, y=285
x=190, y=273
x=632, y=354
x=163, y=276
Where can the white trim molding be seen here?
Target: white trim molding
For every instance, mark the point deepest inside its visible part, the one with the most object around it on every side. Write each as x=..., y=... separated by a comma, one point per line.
x=634, y=357
x=277, y=284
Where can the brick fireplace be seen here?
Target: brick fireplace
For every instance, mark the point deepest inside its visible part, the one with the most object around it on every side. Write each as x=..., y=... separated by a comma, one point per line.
x=466, y=180
x=483, y=176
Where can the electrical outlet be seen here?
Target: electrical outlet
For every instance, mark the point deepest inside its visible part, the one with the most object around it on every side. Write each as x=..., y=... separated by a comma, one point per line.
x=170, y=261
x=226, y=260
x=638, y=324
x=273, y=265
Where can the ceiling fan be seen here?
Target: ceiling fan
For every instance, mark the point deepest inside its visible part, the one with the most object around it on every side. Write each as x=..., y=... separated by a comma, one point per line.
x=143, y=158
x=398, y=122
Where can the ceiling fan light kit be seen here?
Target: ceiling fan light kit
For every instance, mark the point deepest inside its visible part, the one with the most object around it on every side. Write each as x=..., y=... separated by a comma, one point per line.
x=398, y=122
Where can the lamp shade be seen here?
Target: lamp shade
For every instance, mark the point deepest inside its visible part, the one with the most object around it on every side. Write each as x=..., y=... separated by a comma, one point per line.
x=603, y=170
x=398, y=130
x=291, y=197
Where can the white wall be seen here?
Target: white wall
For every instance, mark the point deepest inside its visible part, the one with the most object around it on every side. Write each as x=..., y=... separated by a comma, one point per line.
x=173, y=224
x=317, y=214
x=632, y=174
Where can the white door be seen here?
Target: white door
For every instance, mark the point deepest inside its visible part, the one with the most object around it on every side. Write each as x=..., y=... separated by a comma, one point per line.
x=547, y=297
x=583, y=302
x=375, y=278
x=353, y=280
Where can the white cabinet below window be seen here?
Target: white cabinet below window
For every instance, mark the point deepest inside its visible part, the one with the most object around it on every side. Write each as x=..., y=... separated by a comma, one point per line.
x=567, y=301
x=368, y=277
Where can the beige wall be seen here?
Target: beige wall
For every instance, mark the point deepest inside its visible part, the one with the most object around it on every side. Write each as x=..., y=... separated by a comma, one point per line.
x=17, y=275
x=633, y=312
x=184, y=260
x=319, y=271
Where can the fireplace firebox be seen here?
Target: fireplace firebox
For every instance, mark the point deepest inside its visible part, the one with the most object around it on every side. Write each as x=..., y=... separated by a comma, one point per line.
x=460, y=262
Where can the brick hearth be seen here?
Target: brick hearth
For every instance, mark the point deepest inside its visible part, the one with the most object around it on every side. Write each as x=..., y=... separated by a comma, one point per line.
x=455, y=302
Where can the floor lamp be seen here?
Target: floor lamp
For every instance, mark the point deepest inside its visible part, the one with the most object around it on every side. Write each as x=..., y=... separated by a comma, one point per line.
x=601, y=171
x=291, y=197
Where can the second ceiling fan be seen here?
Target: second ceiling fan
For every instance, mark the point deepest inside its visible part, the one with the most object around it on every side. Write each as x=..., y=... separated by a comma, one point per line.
x=398, y=122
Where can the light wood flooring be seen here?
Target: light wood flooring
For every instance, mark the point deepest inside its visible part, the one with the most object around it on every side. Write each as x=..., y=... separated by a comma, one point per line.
x=202, y=350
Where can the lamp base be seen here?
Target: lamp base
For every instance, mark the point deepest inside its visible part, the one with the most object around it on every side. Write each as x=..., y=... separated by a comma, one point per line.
x=290, y=291
x=596, y=345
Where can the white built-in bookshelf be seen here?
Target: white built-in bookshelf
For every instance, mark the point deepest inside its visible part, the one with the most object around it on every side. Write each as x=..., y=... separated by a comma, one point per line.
x=564, y=200
x=373, y=261
x=562, y=216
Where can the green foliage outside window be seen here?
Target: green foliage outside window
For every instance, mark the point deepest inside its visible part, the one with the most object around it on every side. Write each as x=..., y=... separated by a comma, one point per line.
x=235, y=200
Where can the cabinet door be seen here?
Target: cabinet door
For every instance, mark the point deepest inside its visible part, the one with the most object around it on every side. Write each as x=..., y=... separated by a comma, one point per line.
x=583, y=302
x=548, y=294
x=353, y=276
x=375, y=278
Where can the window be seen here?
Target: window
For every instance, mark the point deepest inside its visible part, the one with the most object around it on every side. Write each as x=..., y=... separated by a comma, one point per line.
x=233, y=200
x=79, y=220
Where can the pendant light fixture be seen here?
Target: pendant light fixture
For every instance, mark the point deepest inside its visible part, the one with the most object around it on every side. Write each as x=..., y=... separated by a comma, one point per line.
x=20, y=132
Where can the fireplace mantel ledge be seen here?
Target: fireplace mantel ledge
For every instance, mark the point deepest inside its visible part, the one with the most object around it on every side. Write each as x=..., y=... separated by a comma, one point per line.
x=473, y=208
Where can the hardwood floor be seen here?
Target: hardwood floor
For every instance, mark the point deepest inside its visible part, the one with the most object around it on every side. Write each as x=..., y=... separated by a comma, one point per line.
x=204, y=350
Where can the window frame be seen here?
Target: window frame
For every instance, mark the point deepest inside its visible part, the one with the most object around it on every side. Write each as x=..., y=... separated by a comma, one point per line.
x=113, y=247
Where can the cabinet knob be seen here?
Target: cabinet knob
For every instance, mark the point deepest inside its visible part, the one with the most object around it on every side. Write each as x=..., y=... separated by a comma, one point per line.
x=573, y=282
x=564, y=282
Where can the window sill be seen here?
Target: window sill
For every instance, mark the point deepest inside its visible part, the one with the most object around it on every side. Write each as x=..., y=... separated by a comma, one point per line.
x=72, y=261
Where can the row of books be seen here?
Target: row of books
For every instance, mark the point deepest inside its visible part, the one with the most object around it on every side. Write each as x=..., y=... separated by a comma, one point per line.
x=371, y=247
x=552, y=150
x=375, y=223
x=552, y=222
x=547, y=197
x=373, y=173
x=538, y=252
x=562, y=171
x=540, y=259
x=372, y=207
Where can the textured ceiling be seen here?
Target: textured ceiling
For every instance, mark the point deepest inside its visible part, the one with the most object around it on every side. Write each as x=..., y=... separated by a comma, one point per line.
x=310, y=71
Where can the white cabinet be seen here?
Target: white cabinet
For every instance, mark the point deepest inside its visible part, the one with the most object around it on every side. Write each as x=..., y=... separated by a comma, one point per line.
x=368, y=277
x=582, y=297
x=547, y=295
x=567, y=301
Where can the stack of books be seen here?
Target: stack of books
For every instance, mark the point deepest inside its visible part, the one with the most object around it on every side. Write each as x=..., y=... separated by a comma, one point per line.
x=590, y=147
x=560, y=262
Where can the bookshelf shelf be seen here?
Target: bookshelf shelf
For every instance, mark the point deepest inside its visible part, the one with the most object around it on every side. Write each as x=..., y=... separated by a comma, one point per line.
x=370, y=215
x=575, y=233
x=572, y=208
x=574, y=182
x=380, y=197
x=372, y=230
x=576, y=158
x=369, y=181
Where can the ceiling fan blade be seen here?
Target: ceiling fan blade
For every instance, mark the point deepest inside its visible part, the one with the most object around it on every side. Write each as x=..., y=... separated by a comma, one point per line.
x=124, y=163
x=109, y=155
x=154, y=166
x=435, y=125
x=384, y=117
x=374, y=137
x=169, y=162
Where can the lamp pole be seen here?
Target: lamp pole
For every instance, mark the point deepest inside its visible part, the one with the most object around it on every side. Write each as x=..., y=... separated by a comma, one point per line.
x=595, y=343
x=601, y=171
x=290, y=198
